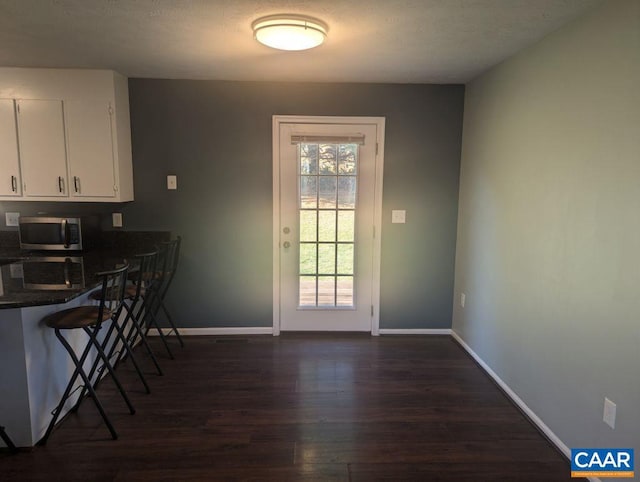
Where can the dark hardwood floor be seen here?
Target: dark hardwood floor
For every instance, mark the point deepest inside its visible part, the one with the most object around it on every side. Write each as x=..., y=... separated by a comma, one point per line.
x=300, y=407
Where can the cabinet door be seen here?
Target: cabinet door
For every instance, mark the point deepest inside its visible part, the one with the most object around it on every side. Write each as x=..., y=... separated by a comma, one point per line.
x=43, y=152
x=90, y=148
x=10, y=184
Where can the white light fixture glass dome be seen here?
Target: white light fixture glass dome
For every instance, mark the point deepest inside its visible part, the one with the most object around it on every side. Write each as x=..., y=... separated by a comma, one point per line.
x=290, y=32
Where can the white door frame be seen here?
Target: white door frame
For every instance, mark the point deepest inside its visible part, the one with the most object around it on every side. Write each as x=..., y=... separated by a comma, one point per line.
x=377, y=221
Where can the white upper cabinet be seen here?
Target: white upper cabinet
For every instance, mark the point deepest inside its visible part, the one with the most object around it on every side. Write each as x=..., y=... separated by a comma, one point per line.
x=90, y=149
x=43, y=155
x=73, y=136
x=10, y=182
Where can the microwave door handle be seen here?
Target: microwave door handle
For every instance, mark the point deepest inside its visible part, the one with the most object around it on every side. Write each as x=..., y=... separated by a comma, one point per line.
x=64, y=227
x=67, y=274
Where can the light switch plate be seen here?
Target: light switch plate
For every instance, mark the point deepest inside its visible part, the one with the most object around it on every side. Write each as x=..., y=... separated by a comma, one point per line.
x=12, y=219
x=117, y=220
x=172, y=182
x=398, y=216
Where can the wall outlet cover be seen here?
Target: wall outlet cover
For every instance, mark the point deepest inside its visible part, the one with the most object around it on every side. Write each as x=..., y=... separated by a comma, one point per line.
x=117, y=220
x=172, y=182
x=12, y=219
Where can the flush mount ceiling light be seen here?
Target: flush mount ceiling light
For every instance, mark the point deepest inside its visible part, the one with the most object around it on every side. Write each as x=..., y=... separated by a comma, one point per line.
x=290, y=32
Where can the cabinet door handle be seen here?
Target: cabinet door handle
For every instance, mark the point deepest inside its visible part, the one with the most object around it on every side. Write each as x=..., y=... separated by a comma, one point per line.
x=60, y=184
x=64, y=230
x=76, y=182
x=14, y=183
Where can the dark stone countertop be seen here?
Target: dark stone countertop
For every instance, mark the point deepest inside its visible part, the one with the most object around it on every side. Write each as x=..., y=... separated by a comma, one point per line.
x=24, y=274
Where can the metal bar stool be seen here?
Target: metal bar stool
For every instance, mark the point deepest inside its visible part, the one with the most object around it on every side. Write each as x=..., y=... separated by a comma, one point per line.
x=143, y=279
x=90, y=319
x=168, y=256
x=171, y=265
x=120, y=330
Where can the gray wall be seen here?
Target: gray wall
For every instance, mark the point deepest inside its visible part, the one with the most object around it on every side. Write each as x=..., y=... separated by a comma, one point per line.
x=549, y=229
x=216, y=137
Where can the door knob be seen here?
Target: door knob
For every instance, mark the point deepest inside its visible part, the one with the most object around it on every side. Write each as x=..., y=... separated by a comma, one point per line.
x=286, y=230
x=286, y=244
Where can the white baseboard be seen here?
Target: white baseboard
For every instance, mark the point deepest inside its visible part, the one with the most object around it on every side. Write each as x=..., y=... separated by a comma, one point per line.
x=248, y=330
x=269, y=331
x=417, y=331
x=518, y=401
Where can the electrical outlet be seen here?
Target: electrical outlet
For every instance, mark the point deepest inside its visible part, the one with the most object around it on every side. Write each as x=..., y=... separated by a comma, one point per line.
x=116, y=220
x=463, y=298
x=609, y=415
x=172, y=182
x=16, y=270
x=12, y=219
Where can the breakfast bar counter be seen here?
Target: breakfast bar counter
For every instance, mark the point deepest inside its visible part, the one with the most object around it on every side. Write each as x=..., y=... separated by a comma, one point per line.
x=35, y=368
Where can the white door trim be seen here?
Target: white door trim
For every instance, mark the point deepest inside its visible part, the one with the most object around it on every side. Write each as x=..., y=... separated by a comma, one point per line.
x=375, y=282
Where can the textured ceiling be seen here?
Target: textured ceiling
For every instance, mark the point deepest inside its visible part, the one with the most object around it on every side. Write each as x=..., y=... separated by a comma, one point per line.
x=414, y=41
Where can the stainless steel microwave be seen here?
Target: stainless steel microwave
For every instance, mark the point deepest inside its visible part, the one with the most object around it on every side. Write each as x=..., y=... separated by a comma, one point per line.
x=54, y=233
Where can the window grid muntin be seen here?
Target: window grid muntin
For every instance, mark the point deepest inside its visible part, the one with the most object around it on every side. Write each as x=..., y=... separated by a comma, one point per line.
x=344, y=168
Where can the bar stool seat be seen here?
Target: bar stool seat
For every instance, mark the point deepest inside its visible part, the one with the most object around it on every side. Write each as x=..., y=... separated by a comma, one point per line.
x=79, y=317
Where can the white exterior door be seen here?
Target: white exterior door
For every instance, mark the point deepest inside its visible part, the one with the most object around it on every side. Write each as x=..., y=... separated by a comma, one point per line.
x=330, y=178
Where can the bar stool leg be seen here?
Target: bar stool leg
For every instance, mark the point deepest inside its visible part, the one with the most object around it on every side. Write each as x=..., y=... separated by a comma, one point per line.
x=114, y=326
x=137, y=331
x=173, y=326
x=78, y=371
x=92, y=372
x=94, y=340
x=118, y=329
x=128, y=349
x=152, y=315
x=7, y=440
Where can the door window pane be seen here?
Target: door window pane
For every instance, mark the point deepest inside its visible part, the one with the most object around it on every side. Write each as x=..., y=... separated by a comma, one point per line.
x=346, y=192
x=328, y=188
x=307, y=291
x=308, y=226
x=345, y=258
x=328, y=161
x=327, y=225
x=326, y=291
x=308, y=158
x=308, y=258
x=346, y=225
x=327, y=258
x=308, y=192
x=344, y=291
x=347, y=157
